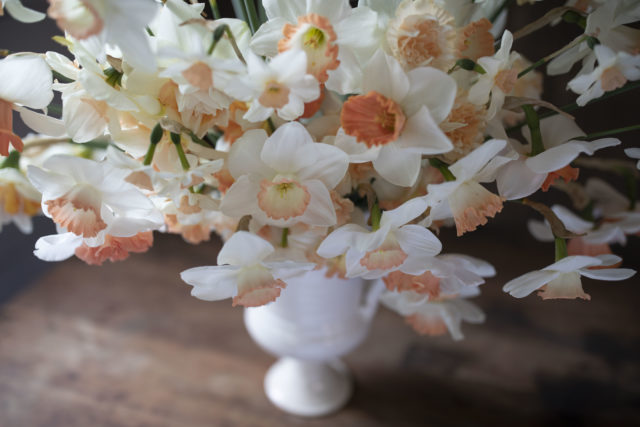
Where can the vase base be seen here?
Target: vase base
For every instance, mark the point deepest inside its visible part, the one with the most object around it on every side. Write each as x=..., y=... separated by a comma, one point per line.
x=307, y=388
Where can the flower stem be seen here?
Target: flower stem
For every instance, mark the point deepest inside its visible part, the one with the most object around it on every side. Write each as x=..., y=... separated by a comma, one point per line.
x=499, y=10
x=443, y=168
x=217, y=35
x=533, y=121
x=376, y=215
x=11, y=161
x=596, y=135
x=239, y=10
x=552, y=55
x=284, y=241
x=561, y=248
x=252, y=14
x=214, y=9
x=176, y=139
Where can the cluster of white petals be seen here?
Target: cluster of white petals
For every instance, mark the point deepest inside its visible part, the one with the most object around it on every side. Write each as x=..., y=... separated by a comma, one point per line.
x=327, y=137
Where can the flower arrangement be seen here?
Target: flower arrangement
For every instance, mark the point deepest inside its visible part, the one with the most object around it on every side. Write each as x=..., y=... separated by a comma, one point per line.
x=317, y=135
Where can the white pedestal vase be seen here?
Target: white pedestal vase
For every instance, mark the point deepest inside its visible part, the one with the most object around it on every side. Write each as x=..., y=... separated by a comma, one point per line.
x=313, y=322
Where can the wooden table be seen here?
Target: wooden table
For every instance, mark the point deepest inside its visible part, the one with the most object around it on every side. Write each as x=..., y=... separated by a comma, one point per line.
x=126, y=345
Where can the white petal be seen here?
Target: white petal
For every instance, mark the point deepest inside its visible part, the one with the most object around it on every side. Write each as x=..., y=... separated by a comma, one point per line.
x=57, y=247
x=573, y=263
x=571, y=221
x=384, y=75
x=404, y=213
x=416, y=240
x=265, y=41
x=397, y=165
x=244, y=155
x=524, y=285
x=26, y=80
x=515, y=180
x=241, y=198
x=432, y=88
x=340, y=239
x=608, y=273
x=41, y=123
x=330, y=165
x=244, y=248
x=422, y=134
x=287, y=149
x=212, y=283
x=540, y=230
x=320, y=210
x=473, y=162
x=21, y=13
x=560, y=156
x=357, y=152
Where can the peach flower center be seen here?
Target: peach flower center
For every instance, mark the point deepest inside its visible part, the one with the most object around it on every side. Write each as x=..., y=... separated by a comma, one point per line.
x=426, y=283
x=475, y=40
x=471, y=204
x=372, y=119
x=388, y=255
x=612, y=79
x=275, y=95
x=505, y=80
x=566, y=173
x=427, y=324
x=115, y=248
x=257, y=286
x=315, y=35
x=199, y=75
x=7, y=137
x=78, y=211
x=283, y=198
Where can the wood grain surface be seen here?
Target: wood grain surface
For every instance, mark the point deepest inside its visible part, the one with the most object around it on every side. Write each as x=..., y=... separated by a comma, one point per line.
x=126, y=345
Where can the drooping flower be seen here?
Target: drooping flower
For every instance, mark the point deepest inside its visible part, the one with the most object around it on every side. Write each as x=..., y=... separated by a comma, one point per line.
x=374, y=253
x=613, y=71
x=243, y=273
x=499, y=79
x=562, y=279
x=464, y=199
x=283, y=179
x=19, y=200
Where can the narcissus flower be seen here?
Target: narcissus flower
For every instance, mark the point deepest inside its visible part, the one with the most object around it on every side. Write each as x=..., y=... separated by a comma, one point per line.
x=396, y=121
x=243, y=273
x=464, y=199
x=562, y=279
x=281, y=85
x=372, y=254
x=284, y=179
x=19, y=200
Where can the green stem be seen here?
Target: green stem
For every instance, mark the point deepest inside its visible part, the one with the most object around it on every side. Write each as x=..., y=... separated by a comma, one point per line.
x=376, y=215
x=443, y=168
x=214, y=9
x=533, y=121
x=532, y=67
x=561, y=248
x=176, y=139
x=148, y=158
x=499, y=10
x=11, y=161
x=284, y=241
x=596, y=135
x=252, y=14
x=272, y=127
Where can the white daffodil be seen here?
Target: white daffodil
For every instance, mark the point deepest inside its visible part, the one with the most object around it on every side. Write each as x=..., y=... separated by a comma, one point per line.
x=613, y=71
x=442, y=276
x=117, y=22
x=562, y=279
x=281, y=85
x=438, y=316
x=526, y=174
x=243, y=273
x=499, y=78
x=593, y=239
x=396, y=121
x=464, y=199
x=633, y=153
x=85, y=197
x=19, y=12
x=394, y=244
x=26, y=82
x=607, y=24
x=336, y=38
x=19, y=200
x=283, y=179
